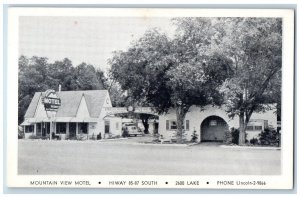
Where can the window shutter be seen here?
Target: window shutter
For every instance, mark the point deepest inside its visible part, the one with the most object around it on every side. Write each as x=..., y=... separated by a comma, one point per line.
x=167, y=124
x=187, y=125
x=266, y=124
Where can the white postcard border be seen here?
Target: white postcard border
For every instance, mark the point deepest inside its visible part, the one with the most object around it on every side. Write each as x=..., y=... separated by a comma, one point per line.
x=283, y=181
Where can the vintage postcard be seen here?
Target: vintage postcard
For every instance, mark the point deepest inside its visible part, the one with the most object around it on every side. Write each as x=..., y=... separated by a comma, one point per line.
x=150, y=98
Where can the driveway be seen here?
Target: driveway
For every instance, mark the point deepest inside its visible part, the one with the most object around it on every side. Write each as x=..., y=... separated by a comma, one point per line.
x=123, y=157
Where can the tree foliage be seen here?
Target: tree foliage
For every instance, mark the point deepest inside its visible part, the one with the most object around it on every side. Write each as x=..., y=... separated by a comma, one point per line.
x=229, y=61
x=254, y=46
x=257, y=58
x=164, y=73
x=36, y=74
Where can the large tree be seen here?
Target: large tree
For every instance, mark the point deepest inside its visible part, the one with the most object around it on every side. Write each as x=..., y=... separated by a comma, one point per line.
x=32, y=77
x=239, y=57
x=255, y=47
x=167, y=73
x=61, y=73
x=85, y=78
x=257, y=56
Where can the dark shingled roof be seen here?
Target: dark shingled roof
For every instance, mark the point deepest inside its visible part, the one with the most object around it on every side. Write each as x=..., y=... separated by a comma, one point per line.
x=70, y=101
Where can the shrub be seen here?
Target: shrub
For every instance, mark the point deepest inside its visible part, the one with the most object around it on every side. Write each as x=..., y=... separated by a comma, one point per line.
x=21, y=134
x=99, y=136
x=269, y=137
x=194, y=136
x=227, y=137
x=254, y=141
x=125, y=133
x=235, y=133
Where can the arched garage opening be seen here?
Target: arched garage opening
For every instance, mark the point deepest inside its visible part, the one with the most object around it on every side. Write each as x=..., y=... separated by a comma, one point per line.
x=213, y=129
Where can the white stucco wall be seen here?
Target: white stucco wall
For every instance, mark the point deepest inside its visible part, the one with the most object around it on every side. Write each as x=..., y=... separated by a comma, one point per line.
x=82, y=111
x=269, y=115
x=93, y=129
x=115, y=125
x=102, y=116
x=196, y=116
x=258, y=120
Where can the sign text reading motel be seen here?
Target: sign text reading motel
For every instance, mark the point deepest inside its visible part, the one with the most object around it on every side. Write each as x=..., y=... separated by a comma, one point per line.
x=51, y=100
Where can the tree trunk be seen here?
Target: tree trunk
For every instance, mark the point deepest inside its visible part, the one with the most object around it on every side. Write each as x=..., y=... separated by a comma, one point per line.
x=145, y=124
x=180, y=115
x=146, y=127
x=242, y=134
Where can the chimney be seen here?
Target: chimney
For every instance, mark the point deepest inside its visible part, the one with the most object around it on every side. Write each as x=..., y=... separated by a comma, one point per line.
x=59, y=88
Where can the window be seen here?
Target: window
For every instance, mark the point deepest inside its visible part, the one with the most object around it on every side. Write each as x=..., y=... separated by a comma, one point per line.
x=187, y=125
x=167, y=125
x=249, y=128
x=29, y=129
x=83, y=128
x=38, y=129
x=266, y=123
x=173, y=125
x=61, y=128
x=117, y=125
x=213, y=123
x=258, y=128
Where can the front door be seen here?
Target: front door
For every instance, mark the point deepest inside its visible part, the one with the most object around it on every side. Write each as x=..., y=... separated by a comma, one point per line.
x=45, y=129
x=72, y=129
x=106, y=129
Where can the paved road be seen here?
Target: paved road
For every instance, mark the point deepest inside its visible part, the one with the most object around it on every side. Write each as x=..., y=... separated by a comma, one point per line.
x=125, y=157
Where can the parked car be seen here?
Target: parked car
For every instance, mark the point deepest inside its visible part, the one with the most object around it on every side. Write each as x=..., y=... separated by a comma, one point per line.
x=133, y=130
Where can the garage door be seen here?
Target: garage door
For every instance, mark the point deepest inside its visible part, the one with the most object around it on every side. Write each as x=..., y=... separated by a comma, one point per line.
x=213, y=129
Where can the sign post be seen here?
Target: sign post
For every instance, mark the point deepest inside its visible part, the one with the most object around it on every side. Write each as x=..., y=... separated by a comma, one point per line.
x=51, y=103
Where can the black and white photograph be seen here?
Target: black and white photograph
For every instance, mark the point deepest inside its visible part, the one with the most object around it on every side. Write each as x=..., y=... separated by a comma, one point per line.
x=152, y=98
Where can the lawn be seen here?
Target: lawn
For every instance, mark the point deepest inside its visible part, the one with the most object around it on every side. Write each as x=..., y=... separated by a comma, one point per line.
x=44, y=157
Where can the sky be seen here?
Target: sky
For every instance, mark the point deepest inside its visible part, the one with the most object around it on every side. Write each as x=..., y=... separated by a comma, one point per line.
x=83, y=39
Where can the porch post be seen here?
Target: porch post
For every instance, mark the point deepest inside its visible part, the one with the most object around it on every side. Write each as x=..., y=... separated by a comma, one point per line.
x=67, y=129
x=50, y=130
x=34, y=131
x=87, y=130
x=76, y=129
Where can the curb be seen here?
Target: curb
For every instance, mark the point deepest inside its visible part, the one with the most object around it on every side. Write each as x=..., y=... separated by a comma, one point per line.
x=251, y=147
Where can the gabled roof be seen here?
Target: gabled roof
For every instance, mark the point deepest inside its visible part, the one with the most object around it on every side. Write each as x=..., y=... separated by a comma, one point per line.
x=70, y=101
x=33, y=105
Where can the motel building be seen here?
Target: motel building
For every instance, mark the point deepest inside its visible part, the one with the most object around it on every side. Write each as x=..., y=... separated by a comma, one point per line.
x=86, y=114
x=81, y=114
x=211, y=122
